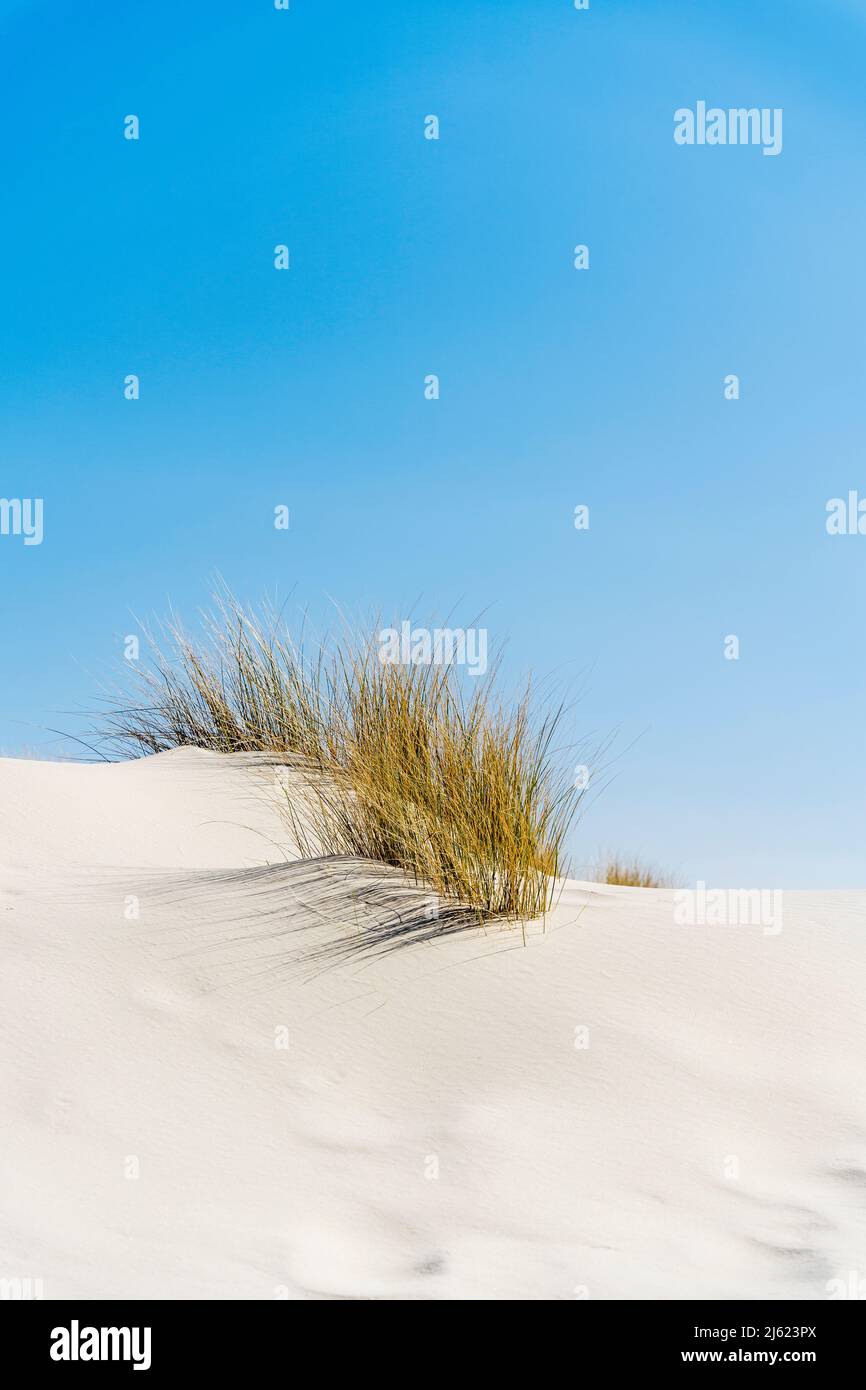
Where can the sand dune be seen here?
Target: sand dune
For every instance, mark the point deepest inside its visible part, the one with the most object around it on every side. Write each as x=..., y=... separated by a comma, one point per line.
x=227, y=1073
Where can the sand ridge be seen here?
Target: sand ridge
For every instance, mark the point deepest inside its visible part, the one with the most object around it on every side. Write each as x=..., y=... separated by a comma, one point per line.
x=218, y=1081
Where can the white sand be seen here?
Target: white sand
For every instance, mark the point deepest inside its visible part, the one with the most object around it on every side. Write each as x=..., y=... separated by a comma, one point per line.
x=709, y=1142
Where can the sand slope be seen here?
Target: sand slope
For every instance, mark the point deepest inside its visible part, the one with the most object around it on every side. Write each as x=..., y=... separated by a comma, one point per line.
x=430, y=1129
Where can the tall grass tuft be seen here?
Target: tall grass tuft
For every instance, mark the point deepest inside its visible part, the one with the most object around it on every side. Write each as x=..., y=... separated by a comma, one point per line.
x=407, y=765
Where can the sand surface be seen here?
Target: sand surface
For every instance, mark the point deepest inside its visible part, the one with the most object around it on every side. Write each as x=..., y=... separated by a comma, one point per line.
x=227, y=1074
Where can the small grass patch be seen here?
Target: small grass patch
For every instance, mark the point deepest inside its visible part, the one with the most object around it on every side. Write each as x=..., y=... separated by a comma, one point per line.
x=629, y=873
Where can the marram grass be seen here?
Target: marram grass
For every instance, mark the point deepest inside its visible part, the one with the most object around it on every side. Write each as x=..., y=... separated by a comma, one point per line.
x=409, y=765
x=629, y=873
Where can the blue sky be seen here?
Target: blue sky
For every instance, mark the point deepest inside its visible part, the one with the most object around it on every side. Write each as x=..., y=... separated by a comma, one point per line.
x=558, y=387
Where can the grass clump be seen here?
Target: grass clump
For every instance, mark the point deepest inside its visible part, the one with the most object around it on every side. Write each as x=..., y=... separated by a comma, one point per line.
x=408, y=765
x=628, y=873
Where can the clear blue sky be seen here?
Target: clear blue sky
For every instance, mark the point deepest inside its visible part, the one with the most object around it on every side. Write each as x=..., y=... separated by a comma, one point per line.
x=558, y=387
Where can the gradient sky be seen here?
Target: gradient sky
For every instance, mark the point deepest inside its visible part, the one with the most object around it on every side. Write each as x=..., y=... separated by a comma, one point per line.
x=558, y=387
